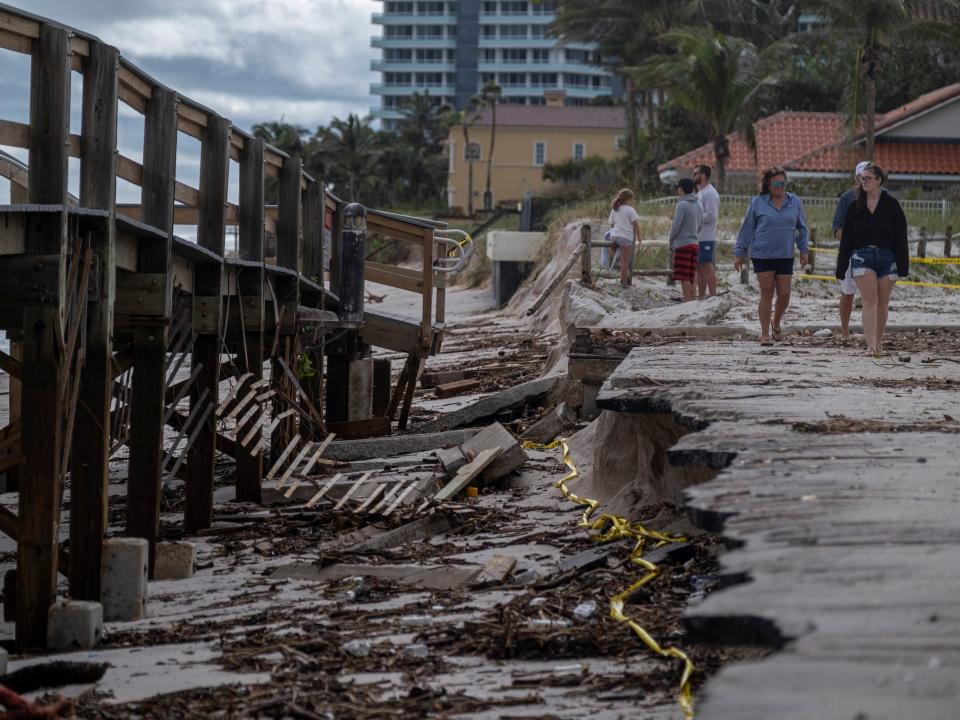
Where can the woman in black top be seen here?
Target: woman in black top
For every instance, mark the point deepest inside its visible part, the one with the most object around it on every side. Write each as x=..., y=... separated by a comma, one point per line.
x=874, y=242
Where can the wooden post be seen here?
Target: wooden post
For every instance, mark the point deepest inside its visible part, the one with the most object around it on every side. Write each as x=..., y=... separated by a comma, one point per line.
x=149, y=340
x=426, y=328
x=250, y=285
x=948, y=242
x=207, y=285
x=586, y=260
x=812, y=254
x=90, y=451
x=42, y=412
x=289, y=220
x=312, y=265
x=14, y=405
x=922, y=243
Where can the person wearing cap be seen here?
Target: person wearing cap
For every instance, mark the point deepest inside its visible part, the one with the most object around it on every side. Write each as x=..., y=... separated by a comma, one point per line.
x=848, y=287
x=687, y=219
x=773, y=223
x=709, y=200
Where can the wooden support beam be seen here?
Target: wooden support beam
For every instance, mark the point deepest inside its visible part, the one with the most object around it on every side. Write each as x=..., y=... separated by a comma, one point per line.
x=250, y=288
x=14, y=405
x=150, y=340
x=90, y=458
x=42, y=417
x=289, y=220
x=207, y=281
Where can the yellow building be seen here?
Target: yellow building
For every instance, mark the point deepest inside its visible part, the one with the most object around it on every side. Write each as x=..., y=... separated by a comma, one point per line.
x=527, y=138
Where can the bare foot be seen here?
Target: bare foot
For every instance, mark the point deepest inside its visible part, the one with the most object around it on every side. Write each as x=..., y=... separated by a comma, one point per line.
x=765, y=341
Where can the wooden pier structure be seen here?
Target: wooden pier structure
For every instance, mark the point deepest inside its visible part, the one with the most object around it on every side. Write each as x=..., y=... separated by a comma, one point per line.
x=123, y=334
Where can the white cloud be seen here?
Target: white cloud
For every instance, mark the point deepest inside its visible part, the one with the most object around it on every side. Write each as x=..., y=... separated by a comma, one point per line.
x=250, y=60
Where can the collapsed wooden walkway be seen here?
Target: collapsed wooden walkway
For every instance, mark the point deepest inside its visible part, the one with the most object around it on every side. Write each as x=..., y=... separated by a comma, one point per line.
x=120, y=329
x=838, y=489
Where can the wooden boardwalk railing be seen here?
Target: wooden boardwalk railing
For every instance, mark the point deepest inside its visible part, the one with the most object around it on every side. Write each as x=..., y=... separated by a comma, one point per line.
x=103, y=304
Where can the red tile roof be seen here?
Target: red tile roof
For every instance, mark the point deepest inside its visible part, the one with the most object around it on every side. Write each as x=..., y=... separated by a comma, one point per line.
x=924, y=102
x=581, y=116
x=909, y=158
x=780, y=137
x=813, y=142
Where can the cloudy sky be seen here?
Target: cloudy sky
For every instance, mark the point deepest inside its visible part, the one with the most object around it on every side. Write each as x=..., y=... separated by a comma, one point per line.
x=251, y=60
x=305, y=61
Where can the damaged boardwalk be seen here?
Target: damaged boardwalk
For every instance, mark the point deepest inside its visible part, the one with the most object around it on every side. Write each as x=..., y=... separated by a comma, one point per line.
x=839, y=488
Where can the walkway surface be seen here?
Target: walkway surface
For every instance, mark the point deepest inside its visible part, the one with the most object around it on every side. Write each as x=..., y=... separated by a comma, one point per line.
x=840, y=490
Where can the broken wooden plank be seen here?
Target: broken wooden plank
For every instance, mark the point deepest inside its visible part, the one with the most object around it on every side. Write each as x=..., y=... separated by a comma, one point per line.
x=353, y=488
x=400, y=498
x=370, y=498
x=433, y=378
x=323, y=491
x=319, y=451
x=458, y=387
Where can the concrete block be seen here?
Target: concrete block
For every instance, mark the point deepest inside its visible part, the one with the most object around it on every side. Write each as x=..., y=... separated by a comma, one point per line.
x=513, y=246
x=73, y=624
x=551, y=424
x=492, y=436
x=174, y=561
x=123, y=578
x=360, y=382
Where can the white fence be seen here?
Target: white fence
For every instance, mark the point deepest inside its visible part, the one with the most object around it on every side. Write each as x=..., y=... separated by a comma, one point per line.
x=942, y=207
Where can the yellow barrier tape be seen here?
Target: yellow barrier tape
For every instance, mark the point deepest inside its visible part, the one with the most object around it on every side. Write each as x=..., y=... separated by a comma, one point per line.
x=922, y=261
x=913, y=283
x=460, y=244
x=611, y=527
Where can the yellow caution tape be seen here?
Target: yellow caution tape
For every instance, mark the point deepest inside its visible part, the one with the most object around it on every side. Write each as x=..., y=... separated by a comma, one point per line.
x=922, y=261
x=460, y=244
x=913, y=283
x=611, y=527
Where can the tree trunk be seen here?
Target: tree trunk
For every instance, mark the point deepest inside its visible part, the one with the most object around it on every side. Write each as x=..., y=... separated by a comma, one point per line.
x=633, y=127
x=487, y=195
x=721, y=151
x=467, y=157
x=870, y=102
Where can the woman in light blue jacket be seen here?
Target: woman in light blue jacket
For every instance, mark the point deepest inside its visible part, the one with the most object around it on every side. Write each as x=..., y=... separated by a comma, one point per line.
x=774, y=223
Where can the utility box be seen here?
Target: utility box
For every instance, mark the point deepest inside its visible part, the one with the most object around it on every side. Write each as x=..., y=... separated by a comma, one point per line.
x=513, y=246
x=512, y=254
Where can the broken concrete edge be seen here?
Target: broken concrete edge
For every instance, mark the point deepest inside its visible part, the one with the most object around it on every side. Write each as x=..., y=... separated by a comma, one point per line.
x=393, y=445
x=490, y=405
x=720, y=332
x=551, y=425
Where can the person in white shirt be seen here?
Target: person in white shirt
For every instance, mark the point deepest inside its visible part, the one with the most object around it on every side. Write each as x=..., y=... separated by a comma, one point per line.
x=709, y=200
x=624, y=226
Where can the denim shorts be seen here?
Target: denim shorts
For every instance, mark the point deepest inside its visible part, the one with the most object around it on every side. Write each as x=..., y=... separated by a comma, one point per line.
x=882, y=261
x=706, y=252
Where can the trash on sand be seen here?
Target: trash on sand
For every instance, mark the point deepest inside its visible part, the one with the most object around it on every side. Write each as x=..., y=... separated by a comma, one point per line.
x=585, y=610
x=358, y=648
x=823, y=332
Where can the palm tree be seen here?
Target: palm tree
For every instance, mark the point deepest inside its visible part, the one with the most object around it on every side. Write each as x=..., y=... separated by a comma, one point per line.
x=467, y=117
x=282, y=135
x=715, y=77
x=877, y=25
x=350, y=154
x=490, y=95
x=423, y=128
x=628, y=32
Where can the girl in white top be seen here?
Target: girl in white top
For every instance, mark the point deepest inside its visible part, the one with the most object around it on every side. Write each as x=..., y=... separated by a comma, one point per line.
x=624, y=226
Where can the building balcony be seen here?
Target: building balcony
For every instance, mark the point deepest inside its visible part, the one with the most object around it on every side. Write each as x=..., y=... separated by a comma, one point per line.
x=404, y=90
x=506, y=19
x=411, y=66
x=557, y=67
x=412, y=42
x=517, y=43
x=397, y=19
x=382, y=113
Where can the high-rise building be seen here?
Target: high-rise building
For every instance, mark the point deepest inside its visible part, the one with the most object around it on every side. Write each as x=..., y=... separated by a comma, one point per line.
x=452, y=48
